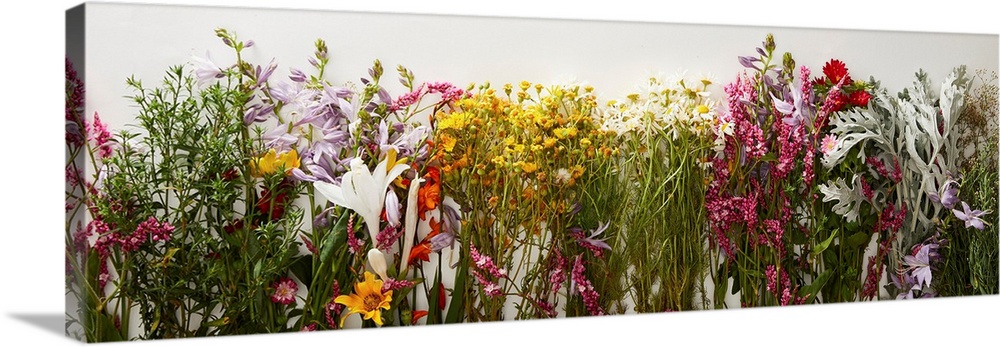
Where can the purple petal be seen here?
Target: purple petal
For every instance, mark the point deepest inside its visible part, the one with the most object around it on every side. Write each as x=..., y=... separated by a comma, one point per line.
x=975, y=223
x=747, y=62
x=300, y=175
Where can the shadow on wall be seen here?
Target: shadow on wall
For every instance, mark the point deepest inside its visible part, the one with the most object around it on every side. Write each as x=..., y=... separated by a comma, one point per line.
x=51, y=322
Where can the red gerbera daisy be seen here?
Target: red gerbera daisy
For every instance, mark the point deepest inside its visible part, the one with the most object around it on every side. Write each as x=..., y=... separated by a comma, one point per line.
x=835, y=70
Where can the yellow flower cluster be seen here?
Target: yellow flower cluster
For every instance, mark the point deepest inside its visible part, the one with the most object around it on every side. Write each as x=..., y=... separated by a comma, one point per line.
x=532, y=146
x=272, y=162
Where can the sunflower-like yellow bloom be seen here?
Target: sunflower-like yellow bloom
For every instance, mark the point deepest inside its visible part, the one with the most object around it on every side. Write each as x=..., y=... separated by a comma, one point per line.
x=271, y=162
x=367, y=299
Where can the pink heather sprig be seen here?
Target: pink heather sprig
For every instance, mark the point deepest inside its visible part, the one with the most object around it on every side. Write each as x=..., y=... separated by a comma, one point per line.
x=394, y=284
x=448, y=91
x=407, y=99
x=772, y=278
x=548, y=308
x=747, y=131
x=866, y=189
x=896, y=175
x=807, y=84
x=354, y=245
x=891, y=218
x=73, y=177
x=807, y=166
x=101, y=137
x=489, y=287
x=897, y=172
x=558, y=273
x=772, y=274
x=577, y=234
x=309, y=245
x=309, y=327
x=332, y=308
x=80, y=237
x=833, y=98
x=790, y=142
x=485, y=263
x=386, y=238
x=76, y=126
x=160, y=231
x=586, y=289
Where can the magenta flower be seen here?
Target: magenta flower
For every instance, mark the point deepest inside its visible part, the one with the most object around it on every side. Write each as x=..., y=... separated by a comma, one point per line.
x=284, y=291
x=971, y=217
x=101, y=136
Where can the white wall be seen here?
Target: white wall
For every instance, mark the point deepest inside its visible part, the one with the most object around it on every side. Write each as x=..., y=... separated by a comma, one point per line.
x=144, y=40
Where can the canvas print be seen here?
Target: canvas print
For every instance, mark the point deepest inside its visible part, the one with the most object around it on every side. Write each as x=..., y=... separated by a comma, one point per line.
x=225, y=176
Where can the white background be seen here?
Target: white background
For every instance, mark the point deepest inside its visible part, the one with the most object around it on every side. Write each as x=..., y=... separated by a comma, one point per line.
x=32, y=91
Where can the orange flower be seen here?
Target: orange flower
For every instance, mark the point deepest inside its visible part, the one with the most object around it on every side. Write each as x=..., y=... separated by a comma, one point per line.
x=422, y=251
x=429, y=195
x=417, y=315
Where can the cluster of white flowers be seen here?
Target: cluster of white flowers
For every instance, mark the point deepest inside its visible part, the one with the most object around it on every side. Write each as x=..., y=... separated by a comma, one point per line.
x=667, y=105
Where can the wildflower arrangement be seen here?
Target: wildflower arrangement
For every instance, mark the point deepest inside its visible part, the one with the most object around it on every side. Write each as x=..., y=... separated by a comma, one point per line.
x=665, y=132
x=522, y=166
x=245, y=200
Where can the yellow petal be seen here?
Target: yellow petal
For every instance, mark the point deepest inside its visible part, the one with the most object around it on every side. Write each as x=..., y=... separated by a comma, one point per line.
x=390, y=159
x=377, y=317
x=351, y=301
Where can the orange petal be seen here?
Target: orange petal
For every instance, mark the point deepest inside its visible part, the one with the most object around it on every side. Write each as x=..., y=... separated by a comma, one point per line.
x=417, y=315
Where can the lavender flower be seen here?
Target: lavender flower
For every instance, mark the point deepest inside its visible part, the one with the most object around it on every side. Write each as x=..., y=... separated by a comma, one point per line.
x=279, y=138
x=947, y=196
x=748, y=61
x=919, y=265
x=592, y=239
x=971, y=217
x=791, y=109
x=206, y=71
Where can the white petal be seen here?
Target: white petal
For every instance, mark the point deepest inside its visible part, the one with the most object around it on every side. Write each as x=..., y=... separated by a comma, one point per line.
x=377, y=260
x=332, y=193
x=411, y=221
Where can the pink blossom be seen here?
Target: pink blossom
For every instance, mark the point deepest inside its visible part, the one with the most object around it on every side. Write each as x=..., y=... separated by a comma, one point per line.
x=829, y=143
x=284, y=291
x=101, y=136
x=585, y=288
x=485, y=263
x=354, y=245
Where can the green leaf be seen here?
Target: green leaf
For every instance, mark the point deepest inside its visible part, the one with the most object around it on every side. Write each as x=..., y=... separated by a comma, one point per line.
x=110, y=333
x=734, y=273
x=457, y=308
x=826, y=243
x=858, y=240
x=434, y=300
x=333, y=240
x=257, y=267
x=816, y=286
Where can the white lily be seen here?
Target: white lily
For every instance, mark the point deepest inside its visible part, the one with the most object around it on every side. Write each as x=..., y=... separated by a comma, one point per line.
x=363, y=191
x=411, y=221
x=377, y=261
